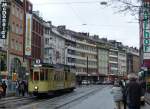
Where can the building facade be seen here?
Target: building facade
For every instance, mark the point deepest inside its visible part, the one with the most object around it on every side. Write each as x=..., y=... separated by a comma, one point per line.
x=54, y=45
x=37, y=39
x=122, y=62
x=82, y=53
x=113, y=61
x=133, y=60
x=103, y=59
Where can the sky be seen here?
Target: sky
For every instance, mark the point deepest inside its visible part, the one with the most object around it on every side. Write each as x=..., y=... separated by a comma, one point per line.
x=90, y=16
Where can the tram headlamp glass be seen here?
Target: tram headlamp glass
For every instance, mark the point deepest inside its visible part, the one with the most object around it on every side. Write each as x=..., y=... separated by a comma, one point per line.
x=36, y=87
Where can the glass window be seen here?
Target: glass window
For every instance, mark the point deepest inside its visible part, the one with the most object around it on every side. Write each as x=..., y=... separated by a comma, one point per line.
x=46, y=74
x=42, y=75
x=36, y=76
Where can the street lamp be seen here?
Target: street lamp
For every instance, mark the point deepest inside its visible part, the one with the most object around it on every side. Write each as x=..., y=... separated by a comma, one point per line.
x=103, y=3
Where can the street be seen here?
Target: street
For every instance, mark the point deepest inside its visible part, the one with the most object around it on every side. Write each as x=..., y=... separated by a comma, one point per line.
x=101, y=100
x=86, y=97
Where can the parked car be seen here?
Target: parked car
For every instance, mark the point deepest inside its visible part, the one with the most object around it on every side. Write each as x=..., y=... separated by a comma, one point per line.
x=107, y=82
x=85, y=82
x=99, y=82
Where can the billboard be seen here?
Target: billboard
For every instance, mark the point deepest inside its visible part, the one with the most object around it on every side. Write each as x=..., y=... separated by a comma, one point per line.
x=28, y=34
x=4, y=16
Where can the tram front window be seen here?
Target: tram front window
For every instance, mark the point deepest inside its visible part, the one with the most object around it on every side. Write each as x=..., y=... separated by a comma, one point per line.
x=36, y=76
x=41, y=76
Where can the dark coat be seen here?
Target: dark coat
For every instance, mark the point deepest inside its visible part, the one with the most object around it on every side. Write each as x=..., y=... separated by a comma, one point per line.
x=133, y=93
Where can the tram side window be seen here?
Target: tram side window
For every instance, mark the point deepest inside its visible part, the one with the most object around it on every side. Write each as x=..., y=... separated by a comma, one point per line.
x=66, y=76
x=46, y=74
x=36, y=75
x=42, y=75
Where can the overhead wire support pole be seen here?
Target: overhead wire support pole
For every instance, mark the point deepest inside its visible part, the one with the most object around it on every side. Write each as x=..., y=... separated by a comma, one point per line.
x=87, y=69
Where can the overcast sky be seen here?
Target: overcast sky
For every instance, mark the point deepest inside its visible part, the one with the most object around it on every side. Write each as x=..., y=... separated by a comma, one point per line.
x=90, y=16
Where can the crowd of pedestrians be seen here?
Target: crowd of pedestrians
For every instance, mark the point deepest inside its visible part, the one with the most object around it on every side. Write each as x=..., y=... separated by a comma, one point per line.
x=21, y=88
x=129, y=93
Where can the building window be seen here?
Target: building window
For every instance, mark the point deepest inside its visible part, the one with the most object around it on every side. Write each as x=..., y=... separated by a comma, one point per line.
x=20, y=46
x=17, y=12
x=21, y=15
x=13, y=27
x=46, y=41
x=17, y=29
x=12, y=44
x=21, y=29
x=13, y=10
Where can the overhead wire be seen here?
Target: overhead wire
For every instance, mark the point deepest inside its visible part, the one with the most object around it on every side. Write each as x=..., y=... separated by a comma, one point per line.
x=81, y=2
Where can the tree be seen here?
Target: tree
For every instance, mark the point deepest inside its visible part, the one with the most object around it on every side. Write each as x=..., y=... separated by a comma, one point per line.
x=127, y=6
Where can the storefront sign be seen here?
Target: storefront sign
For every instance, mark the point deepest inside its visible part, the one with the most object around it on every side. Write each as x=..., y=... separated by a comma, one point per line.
x=4, y=20
x=28, y=34
x=146, y=34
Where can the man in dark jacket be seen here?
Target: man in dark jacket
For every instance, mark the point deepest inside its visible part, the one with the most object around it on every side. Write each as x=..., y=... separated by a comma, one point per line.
x=133, y=92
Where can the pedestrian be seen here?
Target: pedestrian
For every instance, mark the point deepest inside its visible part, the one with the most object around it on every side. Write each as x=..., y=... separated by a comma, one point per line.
x=143, y=86
x=117, y=94
x=22, y=86
x=4, y=86
x=17, y=88
x=1, y=90
x=133, y=92
x=122, y=83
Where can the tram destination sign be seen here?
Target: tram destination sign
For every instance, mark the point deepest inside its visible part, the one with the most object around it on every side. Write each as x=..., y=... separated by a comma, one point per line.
x=4, y=12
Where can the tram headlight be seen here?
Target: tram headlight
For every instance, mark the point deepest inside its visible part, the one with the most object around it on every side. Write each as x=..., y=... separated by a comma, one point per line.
x=36, y=87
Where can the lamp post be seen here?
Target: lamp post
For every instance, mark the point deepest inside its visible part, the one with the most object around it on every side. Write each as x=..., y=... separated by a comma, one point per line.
x=87, y=68
x=103, y=3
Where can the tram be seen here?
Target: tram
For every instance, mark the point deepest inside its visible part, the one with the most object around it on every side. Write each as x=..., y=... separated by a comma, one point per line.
x=48, y=79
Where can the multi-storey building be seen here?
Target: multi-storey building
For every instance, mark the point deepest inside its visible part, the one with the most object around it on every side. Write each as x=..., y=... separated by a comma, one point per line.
x=144, y=34
x=113, y=61
x=16, y=35
x=37, y=40
x=13, y=40
x=122, y=64
x=54, y=45
x=133, y=61
x=103, y=58
x=82, y=53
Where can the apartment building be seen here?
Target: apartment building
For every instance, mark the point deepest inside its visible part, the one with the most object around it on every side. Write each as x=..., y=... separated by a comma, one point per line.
x=16, y=36
x=82, y=53
x=113, y=61
x=37, y=39
x=122, y=62
x=103, y=59
x=133, y=60
x=54, y=45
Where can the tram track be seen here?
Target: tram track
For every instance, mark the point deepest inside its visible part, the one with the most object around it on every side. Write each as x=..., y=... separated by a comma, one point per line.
x=14, y=99
x=77, y=99
x=64, y=100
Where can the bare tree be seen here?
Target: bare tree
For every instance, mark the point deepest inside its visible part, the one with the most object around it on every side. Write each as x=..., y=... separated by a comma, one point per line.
x=126, y=6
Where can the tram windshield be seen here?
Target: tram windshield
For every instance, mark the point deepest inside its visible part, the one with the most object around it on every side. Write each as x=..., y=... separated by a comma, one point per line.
x=41, y=75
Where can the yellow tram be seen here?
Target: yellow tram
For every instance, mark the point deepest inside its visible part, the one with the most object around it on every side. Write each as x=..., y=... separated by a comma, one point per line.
x=47, y=79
